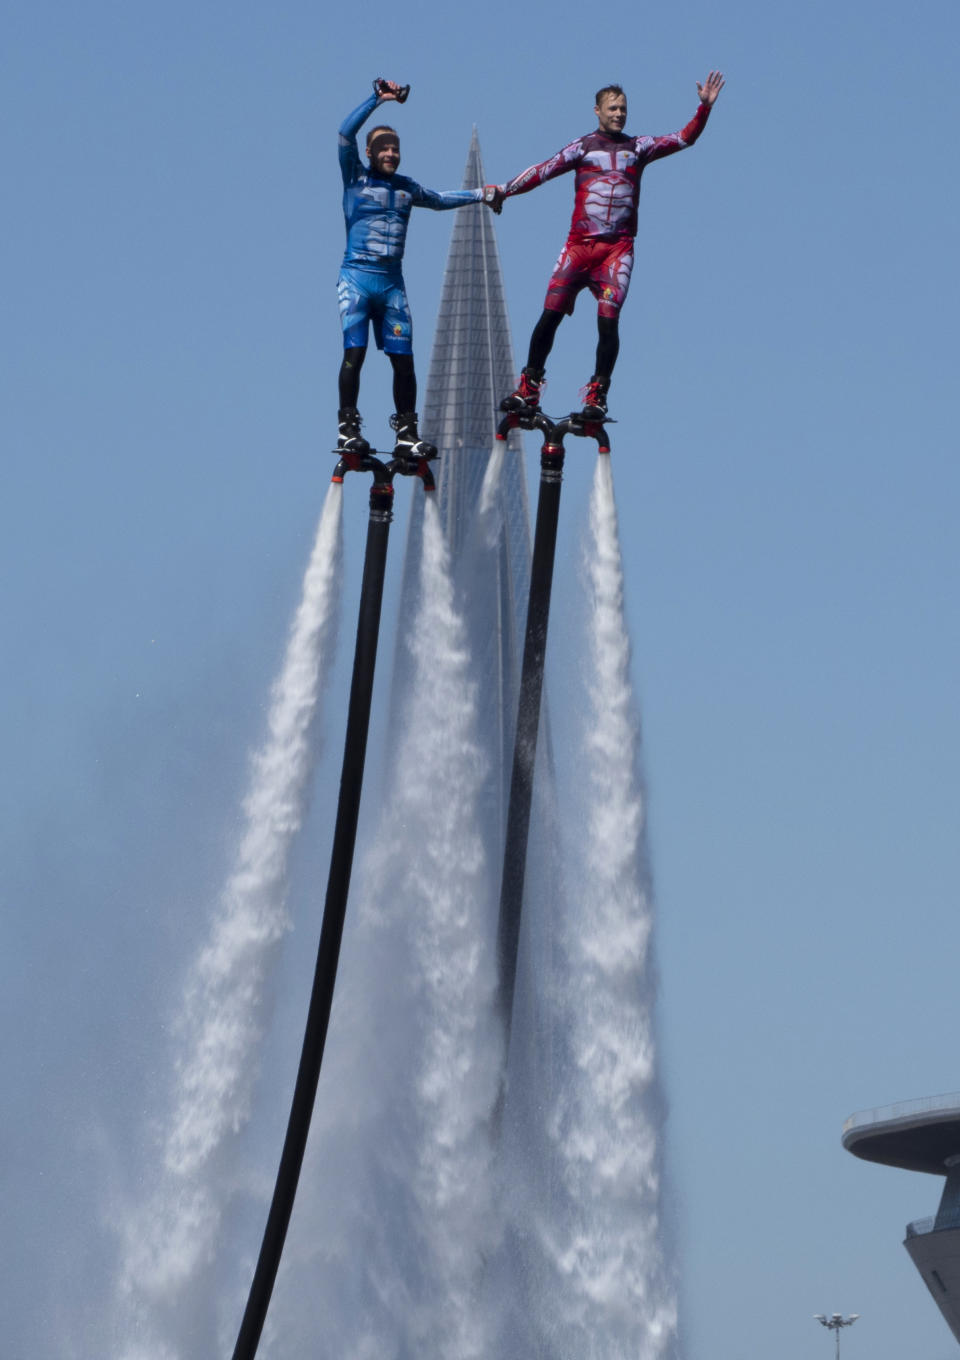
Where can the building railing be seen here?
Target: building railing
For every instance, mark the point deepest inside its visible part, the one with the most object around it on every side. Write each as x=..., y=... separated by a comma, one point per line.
x=920, y=1227
x=903, y=1109
x=947, y=1221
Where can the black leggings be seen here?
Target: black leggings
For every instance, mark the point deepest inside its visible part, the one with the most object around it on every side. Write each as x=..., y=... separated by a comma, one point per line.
x=404, y=379
x=544, y=332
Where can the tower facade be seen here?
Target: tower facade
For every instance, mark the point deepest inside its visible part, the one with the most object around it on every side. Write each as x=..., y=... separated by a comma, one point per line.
x=471, y=367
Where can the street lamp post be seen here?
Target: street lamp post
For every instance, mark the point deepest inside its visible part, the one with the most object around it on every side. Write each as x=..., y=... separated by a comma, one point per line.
x=835, y=1322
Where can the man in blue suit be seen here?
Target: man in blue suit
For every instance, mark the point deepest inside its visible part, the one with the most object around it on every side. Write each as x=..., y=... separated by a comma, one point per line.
x=376, y=206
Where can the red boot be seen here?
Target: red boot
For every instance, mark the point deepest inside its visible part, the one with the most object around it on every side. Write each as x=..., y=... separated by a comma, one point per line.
x=594, y=397
x=527, y=395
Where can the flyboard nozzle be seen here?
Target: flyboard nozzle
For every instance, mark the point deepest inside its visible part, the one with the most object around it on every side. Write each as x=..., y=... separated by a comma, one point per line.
x=365, y=462
x=414, y=467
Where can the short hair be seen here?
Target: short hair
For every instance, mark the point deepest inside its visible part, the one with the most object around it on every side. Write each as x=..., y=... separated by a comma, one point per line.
x=609, y=89
x=381, y=127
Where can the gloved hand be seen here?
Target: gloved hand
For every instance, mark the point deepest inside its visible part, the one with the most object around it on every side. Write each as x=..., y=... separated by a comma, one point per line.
x=493, y=197
x=389, y=89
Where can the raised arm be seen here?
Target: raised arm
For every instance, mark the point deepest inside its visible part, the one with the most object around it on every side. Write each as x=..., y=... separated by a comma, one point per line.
x=347, y=138
x=655, y=148
x=383, y=92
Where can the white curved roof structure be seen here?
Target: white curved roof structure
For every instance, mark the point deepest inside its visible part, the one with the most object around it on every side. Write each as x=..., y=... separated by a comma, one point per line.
x=922, y=1135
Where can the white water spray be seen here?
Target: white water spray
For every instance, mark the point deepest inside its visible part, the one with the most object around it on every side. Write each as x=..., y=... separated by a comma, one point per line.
x=171, y=1239
x=609, y=1293
x=397, y=1208
x=488, y=491
x=457, y=1076
x=398, y=1218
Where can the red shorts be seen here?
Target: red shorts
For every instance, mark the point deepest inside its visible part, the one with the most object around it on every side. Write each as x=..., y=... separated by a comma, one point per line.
x=602, y=266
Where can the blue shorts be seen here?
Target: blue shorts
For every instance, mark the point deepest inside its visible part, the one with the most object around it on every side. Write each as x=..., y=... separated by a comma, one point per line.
x=366, y=296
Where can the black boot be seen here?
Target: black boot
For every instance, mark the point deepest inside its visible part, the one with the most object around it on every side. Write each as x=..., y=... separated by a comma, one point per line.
x=409, y=444
x=350, y=439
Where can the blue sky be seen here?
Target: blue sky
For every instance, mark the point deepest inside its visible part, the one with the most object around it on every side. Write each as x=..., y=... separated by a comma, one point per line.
x=787, y=479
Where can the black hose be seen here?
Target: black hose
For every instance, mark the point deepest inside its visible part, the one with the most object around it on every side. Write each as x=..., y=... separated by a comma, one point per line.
x=528, y=722
x=338, y=886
